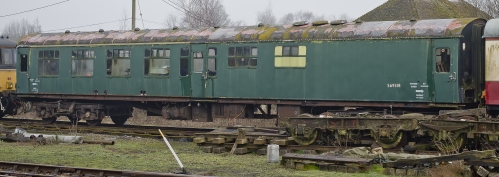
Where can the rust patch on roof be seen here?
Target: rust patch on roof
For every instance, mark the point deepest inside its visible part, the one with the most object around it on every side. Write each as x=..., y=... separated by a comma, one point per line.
x=379, y=29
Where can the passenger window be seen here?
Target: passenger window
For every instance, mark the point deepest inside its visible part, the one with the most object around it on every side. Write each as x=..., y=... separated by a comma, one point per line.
x=24, y=63
x=184, y=61
x=212, y=62
x=48, y=63
x=118, y=62
x=442, y=60
x=157, y=62
x=242, y=57
x=82, y=63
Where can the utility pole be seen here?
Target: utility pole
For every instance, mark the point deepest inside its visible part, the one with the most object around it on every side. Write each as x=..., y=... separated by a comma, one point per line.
x=133, y=14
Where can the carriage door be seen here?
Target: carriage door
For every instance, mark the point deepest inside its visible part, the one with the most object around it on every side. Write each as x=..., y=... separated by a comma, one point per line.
x=198, y=72
x=445, y=74
x=23, y=84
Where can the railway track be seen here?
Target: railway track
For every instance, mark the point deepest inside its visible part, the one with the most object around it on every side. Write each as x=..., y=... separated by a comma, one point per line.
x=37, y=170
x=130, y=130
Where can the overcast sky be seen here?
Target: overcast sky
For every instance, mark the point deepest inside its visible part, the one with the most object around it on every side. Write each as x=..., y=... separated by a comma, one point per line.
x=74, y=13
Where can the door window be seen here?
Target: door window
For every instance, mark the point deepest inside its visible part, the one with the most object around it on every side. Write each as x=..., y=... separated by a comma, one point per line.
x=442, y=60
x=198, y=62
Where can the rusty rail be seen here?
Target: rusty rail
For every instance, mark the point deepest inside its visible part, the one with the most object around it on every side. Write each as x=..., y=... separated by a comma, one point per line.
x=26, y=169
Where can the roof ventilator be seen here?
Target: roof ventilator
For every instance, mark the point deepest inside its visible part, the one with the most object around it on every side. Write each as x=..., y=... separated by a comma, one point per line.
x=358, y=21
x=101, y=30
x=216, y=27
x=175, y=27
x=67, y=31
x=319, y=22
x=261, y=25
x=413, y=19
x=300, y=23
x=137, y=29
x=338, y=22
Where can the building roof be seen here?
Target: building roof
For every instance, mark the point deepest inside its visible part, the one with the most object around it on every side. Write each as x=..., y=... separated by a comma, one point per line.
x=337, y=30
x=423, y=9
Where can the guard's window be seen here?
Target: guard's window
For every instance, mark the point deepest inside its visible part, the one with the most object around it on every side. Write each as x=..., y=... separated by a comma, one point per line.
x=442, y=60
x=184, y=61
x=198, y=62
x=24, y=63
x=243, y=56
x=48, y=63
x=82, y=63
x=118, y=62
x=212, y=61
x=157, y=62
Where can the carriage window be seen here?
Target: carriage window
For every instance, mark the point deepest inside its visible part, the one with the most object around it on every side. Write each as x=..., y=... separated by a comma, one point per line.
x=212, y=62
x=290, y=56
x=48, y=64
x=82, y=63
x=198, y=62
x=24, y=63
x=118, y=62
x=7, y=57
x=184, y=61
x=442, y=60
x=243, y=57
x=157, y=62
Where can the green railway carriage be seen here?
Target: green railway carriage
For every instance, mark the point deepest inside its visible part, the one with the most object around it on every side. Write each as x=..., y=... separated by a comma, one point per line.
x=228, y=70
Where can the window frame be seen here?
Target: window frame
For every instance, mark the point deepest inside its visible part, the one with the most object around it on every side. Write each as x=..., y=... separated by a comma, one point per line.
x=241, y=54
x=76, y=57
x=450, y=60
x=150, y=57
x=113, y=57
x=212, y=57
x=56, y=57
x=184, y=58
x=290, y=54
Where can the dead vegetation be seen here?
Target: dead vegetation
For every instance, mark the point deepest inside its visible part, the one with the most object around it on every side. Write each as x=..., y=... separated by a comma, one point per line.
x=452, y=169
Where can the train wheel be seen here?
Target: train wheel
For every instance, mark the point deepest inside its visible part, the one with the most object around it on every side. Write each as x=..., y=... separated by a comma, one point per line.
x=307, y=138
x=94, y=122
x=50, y=120
x=119, y=120
x=389, y=143
x=451, y=145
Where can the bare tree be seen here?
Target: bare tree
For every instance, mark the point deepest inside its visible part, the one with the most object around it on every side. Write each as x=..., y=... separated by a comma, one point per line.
x=201, y=13
x=490, y=7
x=124, y=23
x=300, y=16
x=237, y=23
x=171, y=20
x=345, y=16
x=266, y=16
x=18, y=28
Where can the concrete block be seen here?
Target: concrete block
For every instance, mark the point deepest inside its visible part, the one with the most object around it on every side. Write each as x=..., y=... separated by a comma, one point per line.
x=218, y=150
x=218, y=140
x=241, y=151
x=425, y=172
x=261, y=152
x=412, y=172
x=494, y=174
x=260, y=141
x=290, y=164
x=400, y=172
x=208, y=149
x=482, y=172
x=389, y=171
x=333, y=168
x=323, y=166
x=242, y=141
x=199, y=140
x=342, y=168
x=300, y=166
x=352, y=169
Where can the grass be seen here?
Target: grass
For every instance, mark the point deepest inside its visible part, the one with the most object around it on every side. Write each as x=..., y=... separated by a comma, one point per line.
x=142, y=154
